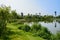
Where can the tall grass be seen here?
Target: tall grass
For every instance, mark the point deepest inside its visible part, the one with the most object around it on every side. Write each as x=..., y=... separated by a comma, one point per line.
x=37, y=30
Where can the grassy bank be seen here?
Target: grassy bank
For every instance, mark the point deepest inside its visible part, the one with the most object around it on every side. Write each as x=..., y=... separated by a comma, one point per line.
x=17, y=34
x=26, y=32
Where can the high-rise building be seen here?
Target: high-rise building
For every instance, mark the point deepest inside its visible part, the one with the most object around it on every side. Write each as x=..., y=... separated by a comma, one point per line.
x=55, y=13
x=22, y=14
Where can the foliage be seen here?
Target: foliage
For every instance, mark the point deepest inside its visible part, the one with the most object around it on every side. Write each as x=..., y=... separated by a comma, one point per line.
x=25, y=28
x=55, y=37
x=4, y=13
x=37, y=30
x=14, y=14
x=35, y=27
x=44, y=33
x=58, y=16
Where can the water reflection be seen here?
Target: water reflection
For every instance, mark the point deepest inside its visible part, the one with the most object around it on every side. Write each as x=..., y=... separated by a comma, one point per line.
x=53, y=27
x=55, y=24
x=58, y=21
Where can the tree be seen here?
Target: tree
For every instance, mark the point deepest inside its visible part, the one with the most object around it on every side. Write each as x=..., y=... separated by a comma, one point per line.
x=14, y=14
x=4, y=13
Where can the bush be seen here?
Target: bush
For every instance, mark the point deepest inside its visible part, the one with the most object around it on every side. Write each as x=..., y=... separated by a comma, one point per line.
x=6, y=35
x=35, y=28
x=44, y=35
x=55, y=37
x=58, y=36
x=40, y=31
x=25, y=28
x=46, y=30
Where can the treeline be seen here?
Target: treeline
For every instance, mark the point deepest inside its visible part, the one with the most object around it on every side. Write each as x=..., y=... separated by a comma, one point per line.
x=13, y=16
x=39, y=18
x=58, y=16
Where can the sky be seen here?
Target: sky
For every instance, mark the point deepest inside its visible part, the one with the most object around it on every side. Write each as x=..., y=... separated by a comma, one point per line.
x=45, y=7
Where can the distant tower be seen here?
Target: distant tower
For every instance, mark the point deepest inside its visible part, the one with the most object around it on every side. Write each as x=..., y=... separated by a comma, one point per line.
x=22, y=14
x=55, y=24
x=55, y=13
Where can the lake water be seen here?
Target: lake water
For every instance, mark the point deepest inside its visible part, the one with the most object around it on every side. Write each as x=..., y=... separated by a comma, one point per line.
x=53, y=27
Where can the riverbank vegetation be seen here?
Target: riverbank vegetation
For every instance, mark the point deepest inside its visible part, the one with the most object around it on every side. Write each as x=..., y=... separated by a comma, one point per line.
x=12, y=26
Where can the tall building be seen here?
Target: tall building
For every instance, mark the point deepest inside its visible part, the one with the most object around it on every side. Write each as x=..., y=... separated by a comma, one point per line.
x=55, y=13
x=22, y=14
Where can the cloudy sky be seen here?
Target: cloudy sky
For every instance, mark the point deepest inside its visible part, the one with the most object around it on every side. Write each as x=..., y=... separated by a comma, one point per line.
x=34, y=6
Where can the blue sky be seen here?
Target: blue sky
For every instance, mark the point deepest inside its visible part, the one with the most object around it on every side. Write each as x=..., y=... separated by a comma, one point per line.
x=34, y=6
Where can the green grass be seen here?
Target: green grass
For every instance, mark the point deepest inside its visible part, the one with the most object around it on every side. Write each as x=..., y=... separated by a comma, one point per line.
x=20, y=34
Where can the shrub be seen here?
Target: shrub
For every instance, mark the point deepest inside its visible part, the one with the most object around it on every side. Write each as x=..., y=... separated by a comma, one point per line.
x=58, y=36
x=55, y=37
x=46, y=30
x=44, y=35
x=35, y=28
x=25, y=28
x=40, y=31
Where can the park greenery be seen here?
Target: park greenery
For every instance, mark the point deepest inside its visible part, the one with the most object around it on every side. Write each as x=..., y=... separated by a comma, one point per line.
x=12, y=26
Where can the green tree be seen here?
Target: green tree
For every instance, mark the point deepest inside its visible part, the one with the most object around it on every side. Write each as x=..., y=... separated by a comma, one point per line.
x=14, y=13
x=4, y=13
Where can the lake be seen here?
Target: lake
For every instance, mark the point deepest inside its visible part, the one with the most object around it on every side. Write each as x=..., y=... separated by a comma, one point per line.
x=53, y=27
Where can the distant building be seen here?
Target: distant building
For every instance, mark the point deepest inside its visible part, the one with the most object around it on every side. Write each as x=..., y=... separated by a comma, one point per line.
x=39, y=14
x=55, y=13
x=22, y=14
